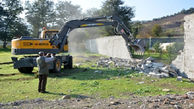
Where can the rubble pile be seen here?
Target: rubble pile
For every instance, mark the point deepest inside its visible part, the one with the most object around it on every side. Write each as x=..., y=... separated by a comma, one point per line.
x=147, y=66
x=115, y=62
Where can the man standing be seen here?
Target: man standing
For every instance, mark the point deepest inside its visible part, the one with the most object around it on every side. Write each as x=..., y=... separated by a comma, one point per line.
x=43, y=70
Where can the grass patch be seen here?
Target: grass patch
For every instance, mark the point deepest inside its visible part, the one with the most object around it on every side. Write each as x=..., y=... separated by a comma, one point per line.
x=5, y=55
x=86, y=79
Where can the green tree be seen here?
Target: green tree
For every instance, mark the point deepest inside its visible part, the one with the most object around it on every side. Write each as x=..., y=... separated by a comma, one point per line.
x=93, y=12
x=10, y=9
x=135, y=28
x=19, y=29
x=39, y=14
x=116, y=8
x=156, y=30
x=157, y=48
x=3, y=13
x=66, y=11
x=94, y=32
x=171, y=50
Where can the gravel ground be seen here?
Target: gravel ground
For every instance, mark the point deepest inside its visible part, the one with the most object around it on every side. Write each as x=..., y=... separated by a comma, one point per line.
x=149, y=102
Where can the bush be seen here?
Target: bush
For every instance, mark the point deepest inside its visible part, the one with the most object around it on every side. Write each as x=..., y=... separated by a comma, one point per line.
x=157, y=48
x=171, y=51
x=178, y=46
x=156, y=30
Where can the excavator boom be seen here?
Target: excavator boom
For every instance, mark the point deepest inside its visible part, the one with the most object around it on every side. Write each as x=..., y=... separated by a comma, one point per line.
x=60, y=39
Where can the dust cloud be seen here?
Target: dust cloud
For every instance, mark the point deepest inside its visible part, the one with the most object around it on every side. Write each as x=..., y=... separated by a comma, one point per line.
x=78, y=37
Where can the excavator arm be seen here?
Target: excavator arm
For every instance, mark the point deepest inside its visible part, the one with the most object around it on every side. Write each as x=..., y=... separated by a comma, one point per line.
x=60, y=39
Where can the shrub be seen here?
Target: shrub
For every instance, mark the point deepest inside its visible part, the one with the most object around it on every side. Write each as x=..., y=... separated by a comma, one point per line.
x=156, y=30
x=178, y=46
x=157, y=48
x=171, y=51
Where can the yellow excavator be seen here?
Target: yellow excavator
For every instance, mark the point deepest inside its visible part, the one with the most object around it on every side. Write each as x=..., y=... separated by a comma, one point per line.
x=54, y=41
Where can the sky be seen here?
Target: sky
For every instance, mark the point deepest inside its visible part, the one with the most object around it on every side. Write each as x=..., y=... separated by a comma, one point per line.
x=144, y=9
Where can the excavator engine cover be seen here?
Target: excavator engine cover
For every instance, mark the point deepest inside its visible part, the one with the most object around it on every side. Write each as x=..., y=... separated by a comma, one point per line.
x=29, y=45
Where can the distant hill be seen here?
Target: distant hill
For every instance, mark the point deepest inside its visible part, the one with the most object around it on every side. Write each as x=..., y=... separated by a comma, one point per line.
x=171, y=25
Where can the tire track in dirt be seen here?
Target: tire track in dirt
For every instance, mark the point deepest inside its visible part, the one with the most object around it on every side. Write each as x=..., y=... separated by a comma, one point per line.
x=6, y=63
x=18, y=79
x=12, y=74
x=15, y=79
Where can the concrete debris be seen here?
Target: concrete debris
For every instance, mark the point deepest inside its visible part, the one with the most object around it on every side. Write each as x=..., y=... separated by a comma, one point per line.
x=190, y=94
x=150, y=59
x=66, y=97
x=142, y=82
x=93, y=66
x=97, y=71
x=147, y=66
x=114, y=62
x=77, y=64
x=166, y=90
x=179, y=78
x=114, y=103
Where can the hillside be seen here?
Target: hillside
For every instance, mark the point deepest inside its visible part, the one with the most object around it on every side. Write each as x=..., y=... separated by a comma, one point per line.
x=171, y=25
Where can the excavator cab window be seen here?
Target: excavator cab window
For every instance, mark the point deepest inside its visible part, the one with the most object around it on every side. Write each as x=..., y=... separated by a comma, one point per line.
x=49, y=34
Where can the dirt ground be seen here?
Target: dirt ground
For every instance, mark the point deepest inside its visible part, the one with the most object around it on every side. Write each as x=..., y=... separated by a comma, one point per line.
x=84, y=102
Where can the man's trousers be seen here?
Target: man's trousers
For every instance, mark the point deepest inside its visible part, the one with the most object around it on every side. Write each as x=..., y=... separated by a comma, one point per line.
x=42, y=83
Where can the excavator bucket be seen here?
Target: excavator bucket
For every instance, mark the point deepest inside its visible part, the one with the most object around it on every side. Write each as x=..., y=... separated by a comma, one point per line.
x=138, y=47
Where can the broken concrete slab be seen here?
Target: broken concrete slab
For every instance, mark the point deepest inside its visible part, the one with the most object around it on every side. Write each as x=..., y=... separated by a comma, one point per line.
x=150, y=59
x=190, y=94
x=157, y=64
x=179, y=78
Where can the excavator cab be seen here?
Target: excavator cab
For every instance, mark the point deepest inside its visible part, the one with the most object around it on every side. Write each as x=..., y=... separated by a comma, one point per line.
x=48, y=33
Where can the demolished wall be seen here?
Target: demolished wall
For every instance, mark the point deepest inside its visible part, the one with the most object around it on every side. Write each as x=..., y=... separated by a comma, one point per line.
x=185, y=61
x=113, y=46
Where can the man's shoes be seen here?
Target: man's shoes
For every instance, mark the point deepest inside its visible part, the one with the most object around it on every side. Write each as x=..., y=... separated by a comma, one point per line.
x=43, y=92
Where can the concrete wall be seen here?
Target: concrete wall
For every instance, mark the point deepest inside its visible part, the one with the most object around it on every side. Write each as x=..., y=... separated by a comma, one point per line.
x=185, y=61
x=113, y=46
